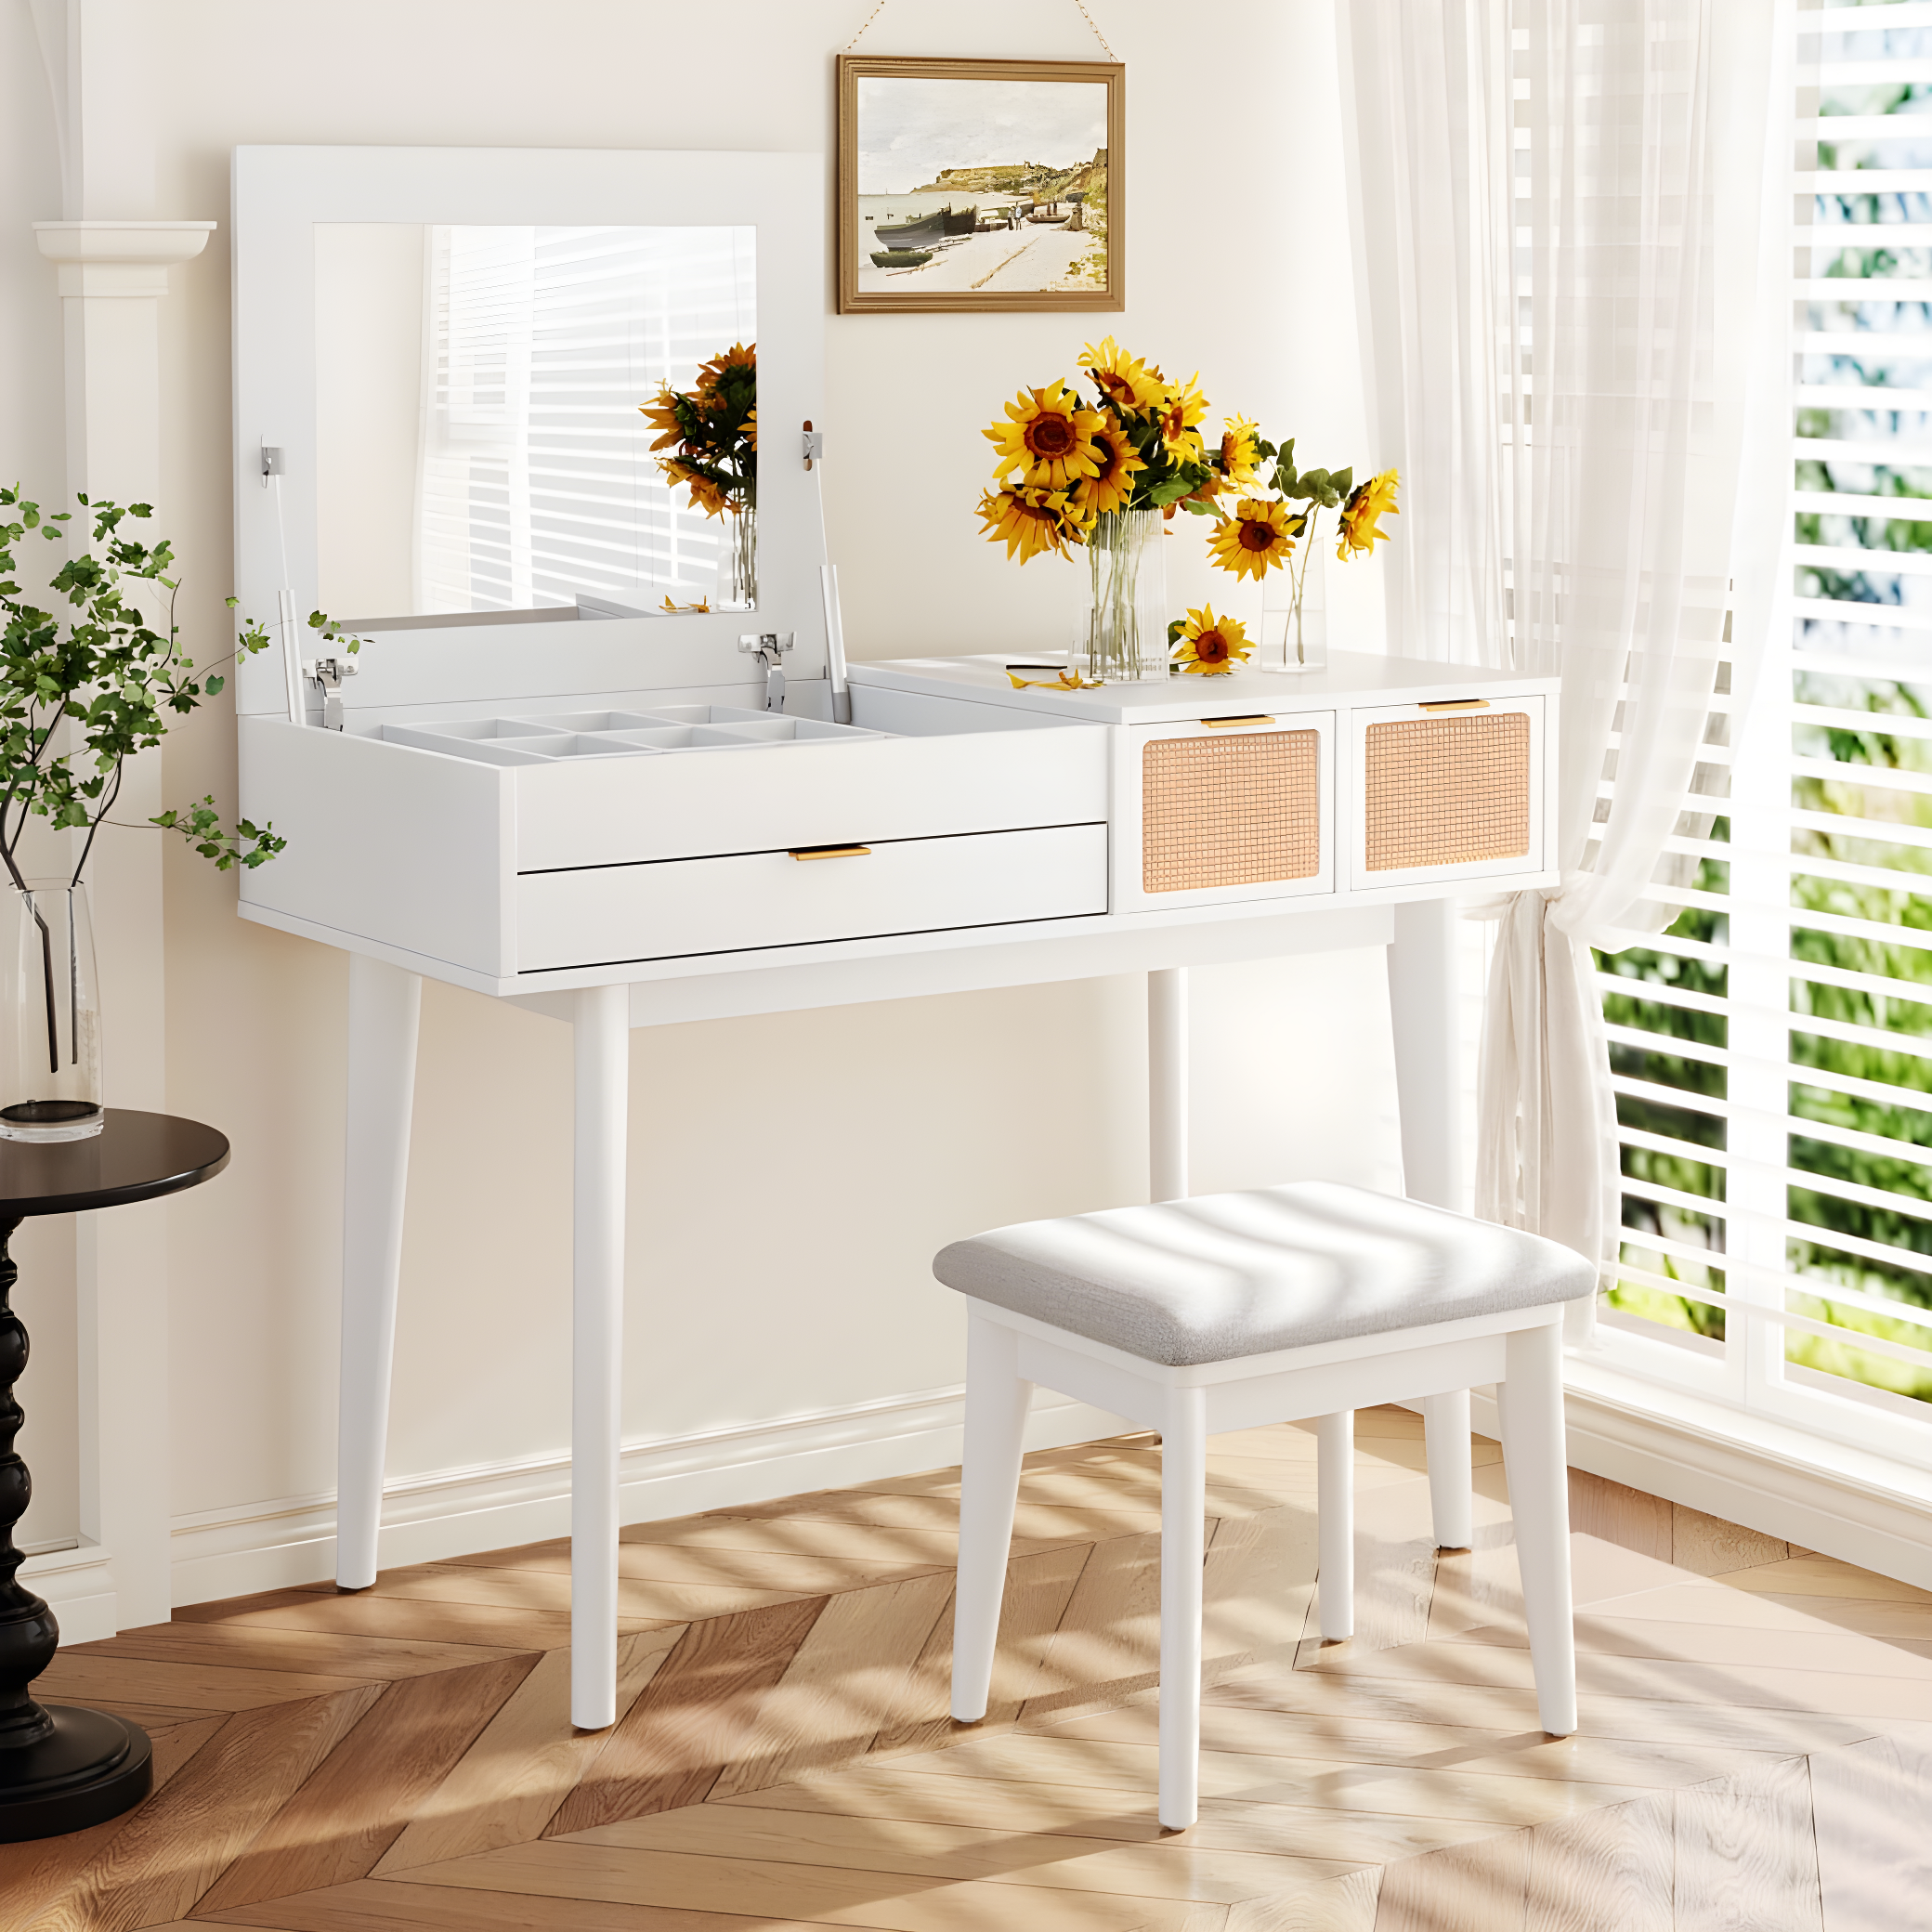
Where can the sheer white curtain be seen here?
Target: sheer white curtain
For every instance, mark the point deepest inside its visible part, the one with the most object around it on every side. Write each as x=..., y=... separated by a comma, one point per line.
x=1564, y=208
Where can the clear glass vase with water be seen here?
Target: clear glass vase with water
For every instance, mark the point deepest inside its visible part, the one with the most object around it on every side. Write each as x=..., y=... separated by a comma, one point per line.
x=50, y=1035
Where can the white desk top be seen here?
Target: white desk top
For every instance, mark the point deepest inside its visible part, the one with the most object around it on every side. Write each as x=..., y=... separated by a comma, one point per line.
x=984, y=680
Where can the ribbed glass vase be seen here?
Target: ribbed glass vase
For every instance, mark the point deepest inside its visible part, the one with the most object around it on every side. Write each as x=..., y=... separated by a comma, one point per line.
x=1124, y=632
x=50, y=1016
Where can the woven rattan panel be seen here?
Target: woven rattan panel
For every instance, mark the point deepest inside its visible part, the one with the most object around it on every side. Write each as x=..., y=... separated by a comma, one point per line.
x=1447, y=791
x=1230, y=811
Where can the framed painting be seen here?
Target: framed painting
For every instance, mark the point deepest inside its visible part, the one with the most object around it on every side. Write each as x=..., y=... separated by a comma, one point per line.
x=980, y=184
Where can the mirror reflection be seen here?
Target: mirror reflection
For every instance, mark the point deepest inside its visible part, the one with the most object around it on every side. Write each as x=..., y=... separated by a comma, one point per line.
x=514, y=419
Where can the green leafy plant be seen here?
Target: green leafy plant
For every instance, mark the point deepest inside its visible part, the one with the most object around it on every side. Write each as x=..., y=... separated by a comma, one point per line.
x=84, y=689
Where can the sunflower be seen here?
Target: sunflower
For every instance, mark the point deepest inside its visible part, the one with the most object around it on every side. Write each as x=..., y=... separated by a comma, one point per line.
x=1212, y=643
x=1239, y=461
x=1128, y=383
x=1048, y=439
x=1111, y=487
x=739, y=356
x=1367, y=503
x=1181, y=406
x=751, y=429
x=1030, y=520
x=1256, y=540
x=705, y=494
x=660, y=412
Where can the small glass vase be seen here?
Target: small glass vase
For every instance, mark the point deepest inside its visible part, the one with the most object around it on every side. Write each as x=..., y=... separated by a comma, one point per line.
x=1121, y=635
x=740, y=561
x=50, y=1040
x=1295, y=611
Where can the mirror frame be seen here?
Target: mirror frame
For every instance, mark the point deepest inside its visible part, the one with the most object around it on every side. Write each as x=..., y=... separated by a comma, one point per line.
x=281, y=193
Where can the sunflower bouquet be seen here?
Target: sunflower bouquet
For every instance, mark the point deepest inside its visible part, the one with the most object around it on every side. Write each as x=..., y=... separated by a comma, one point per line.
x=712, y=430
x=1075, y=472
x=1079, y=473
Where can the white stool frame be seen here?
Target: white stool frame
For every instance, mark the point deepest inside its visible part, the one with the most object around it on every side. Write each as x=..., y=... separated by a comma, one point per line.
x=1521, y=1352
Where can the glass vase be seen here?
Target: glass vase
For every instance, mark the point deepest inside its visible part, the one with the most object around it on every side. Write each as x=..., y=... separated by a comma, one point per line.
x=1295, y=610
x=50, y=1040
x=1122, y=633
x=740, y=570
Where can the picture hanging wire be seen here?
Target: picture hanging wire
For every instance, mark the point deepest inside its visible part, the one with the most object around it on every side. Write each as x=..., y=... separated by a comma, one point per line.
x=1081, y=3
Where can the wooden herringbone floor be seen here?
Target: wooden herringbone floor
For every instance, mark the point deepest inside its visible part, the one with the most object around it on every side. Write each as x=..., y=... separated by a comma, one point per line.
x=1756, y=1749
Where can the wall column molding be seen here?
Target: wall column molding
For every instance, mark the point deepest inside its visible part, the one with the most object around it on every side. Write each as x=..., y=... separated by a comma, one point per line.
x=112, y=275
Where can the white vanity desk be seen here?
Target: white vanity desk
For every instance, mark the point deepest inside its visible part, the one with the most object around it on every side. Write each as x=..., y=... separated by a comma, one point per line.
x=624, y=836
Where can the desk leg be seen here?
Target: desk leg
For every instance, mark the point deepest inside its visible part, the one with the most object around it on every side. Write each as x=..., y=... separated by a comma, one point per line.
x=603, y=1049
x=384, y=1005
x=1167, y=1084
x=1422, y=1010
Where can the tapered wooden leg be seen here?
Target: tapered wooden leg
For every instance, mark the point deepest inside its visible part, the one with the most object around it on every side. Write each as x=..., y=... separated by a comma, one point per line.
x=1184, y=1542
x=1530, y=1400
x=385, y=1007
x=1167, y=1084
x=997, y=1402
x=1335, y=1484
x=602, y=1054
x=1451, y=1479
x=1426, y=1025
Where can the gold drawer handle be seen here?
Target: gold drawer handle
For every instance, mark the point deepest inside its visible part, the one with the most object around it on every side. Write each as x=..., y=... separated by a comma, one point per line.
x=831, y=851
x=1453, y=704
x=1228, y=724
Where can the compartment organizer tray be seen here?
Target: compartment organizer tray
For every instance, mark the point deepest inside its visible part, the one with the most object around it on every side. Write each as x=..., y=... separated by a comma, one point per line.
x=543, y=737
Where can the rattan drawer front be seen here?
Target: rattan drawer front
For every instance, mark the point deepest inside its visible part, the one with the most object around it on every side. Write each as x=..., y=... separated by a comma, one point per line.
x=1446, y=792
x=1243, y=810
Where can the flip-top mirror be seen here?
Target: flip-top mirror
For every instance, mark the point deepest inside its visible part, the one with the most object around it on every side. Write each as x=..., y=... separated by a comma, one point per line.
x=527, y=418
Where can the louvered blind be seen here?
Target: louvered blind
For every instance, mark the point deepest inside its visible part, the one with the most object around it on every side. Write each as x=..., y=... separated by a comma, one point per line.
x=537, y=481
x=1773, y=1052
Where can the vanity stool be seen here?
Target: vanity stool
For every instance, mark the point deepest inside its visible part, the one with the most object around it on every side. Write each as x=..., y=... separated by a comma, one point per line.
x=1231, y=1310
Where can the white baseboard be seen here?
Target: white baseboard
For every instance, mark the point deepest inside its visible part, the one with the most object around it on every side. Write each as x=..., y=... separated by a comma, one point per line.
x=1859, y=1507
x=78, y=1585
x=457, y=1512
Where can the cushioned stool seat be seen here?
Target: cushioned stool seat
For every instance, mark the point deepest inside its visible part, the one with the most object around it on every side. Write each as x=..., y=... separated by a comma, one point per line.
x=1229, y=1275
x=1231, y=1310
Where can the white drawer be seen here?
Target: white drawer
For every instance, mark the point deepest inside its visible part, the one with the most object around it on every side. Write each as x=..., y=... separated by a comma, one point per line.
x=1214, y=812
x=673, y=908
x=1447, y=789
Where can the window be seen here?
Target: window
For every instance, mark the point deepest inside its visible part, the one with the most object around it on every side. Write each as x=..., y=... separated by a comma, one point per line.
x=1773, y=1052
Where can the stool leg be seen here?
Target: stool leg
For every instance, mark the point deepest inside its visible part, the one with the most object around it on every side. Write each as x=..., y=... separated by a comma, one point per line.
x=1530, y=1400
x=1445, y=1420
x=997, y=1401
x=1335, y=1482
x=1183, y=1544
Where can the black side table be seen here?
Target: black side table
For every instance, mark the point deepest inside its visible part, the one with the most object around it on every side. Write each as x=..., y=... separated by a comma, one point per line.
x=62, y=1769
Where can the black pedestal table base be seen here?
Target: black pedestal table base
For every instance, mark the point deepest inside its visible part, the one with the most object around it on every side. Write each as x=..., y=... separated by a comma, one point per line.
x=63, y=1769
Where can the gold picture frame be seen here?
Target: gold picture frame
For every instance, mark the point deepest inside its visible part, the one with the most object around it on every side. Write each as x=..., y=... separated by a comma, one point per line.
x=1065, y=210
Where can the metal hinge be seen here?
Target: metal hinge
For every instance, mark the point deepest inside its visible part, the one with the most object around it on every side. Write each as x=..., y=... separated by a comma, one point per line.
x=329, y=672
x=768, y=647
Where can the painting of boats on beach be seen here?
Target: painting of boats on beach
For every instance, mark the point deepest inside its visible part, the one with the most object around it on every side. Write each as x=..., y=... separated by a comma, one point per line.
x=979, y=183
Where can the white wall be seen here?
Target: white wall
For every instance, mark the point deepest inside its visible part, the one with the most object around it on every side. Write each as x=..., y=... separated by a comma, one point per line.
x=792, y=1175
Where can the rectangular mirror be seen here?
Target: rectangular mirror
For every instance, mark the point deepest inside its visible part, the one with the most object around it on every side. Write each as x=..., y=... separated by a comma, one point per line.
x=481, y=440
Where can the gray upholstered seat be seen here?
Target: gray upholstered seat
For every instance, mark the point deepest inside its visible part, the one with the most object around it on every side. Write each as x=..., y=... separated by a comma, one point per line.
x=1223, y=1276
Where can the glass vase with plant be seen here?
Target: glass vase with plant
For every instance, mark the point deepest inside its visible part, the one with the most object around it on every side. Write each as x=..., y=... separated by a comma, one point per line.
x=81, y=690
x=1261, y=534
